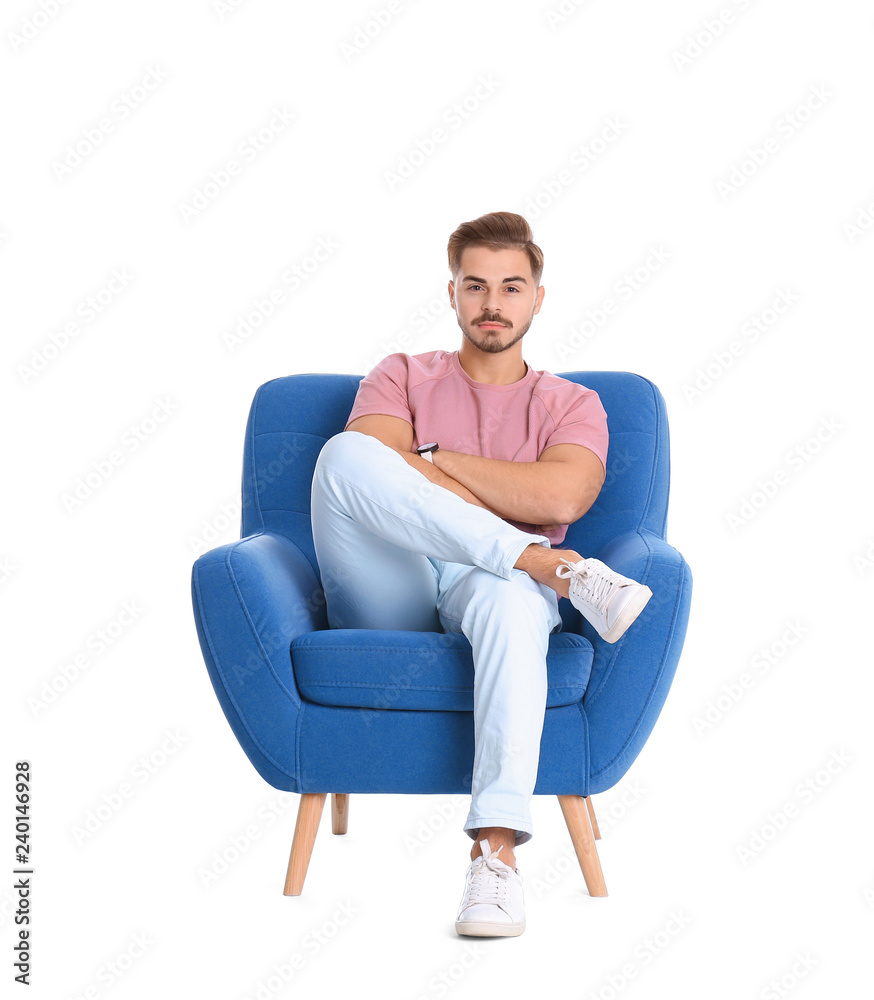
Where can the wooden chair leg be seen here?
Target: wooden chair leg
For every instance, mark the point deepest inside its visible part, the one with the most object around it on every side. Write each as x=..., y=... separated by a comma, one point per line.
x=576, y=815
x=591, y=809
x=308, y=815
x=339, y=813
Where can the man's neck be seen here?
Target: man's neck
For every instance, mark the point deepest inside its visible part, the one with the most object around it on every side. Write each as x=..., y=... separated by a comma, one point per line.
x=492, y=369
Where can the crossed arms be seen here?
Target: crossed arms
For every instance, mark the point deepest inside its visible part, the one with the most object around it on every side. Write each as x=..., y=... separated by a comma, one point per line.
x=556, y=489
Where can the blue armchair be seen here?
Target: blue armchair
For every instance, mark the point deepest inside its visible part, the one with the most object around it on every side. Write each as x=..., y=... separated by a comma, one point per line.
x=340, y=711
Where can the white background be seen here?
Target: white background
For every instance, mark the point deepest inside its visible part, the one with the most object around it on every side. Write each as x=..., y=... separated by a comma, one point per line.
x=124, y=911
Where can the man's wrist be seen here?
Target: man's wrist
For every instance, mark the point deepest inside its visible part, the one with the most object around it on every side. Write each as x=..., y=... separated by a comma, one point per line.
x=438, y=458
x=428, y=450
x=442, y=478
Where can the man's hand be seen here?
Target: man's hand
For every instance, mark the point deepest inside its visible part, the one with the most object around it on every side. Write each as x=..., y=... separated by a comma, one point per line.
x=397, y=434
x=439, y=478
x=557, y=489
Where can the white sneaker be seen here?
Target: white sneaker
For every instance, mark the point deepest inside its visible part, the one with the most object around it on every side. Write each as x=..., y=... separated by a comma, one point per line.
x=606, y=599
x=492, y=904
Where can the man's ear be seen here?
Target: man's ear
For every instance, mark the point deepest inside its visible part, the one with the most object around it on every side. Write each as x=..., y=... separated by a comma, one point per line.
x=451, y=289
x=539, y=299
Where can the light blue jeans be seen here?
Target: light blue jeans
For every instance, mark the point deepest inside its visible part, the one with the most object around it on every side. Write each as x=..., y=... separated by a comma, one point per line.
x=396, y=551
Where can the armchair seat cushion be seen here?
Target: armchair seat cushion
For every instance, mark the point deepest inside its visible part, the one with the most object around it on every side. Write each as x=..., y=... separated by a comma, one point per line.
x=429, y=671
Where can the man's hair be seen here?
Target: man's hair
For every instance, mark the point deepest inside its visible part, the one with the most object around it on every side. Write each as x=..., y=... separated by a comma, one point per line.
x=496, y=231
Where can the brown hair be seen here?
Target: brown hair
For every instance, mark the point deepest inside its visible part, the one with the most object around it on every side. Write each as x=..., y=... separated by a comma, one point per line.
x=496, y=231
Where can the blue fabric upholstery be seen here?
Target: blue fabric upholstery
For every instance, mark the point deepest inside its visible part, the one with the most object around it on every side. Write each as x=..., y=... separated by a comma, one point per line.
x=321, y=710
x=427, y=671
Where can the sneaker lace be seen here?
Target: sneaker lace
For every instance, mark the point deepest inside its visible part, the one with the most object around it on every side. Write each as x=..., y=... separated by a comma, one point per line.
x=488, y=882
x=591, y=585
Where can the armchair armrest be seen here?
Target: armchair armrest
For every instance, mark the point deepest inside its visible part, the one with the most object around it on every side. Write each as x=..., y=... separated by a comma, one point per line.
x=251, y=598
x=630, y=678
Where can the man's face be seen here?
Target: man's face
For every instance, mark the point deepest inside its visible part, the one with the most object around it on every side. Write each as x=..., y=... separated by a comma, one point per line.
x=494, y=286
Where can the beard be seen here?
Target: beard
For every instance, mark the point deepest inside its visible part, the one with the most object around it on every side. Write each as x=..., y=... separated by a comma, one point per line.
x=490, y=341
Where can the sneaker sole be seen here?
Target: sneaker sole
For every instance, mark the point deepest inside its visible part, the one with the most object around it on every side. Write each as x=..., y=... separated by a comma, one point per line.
x=628, y=616
x=485, y=928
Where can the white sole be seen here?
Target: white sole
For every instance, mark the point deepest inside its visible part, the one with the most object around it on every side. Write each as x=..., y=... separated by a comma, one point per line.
x=629, y=614
x=487, y=928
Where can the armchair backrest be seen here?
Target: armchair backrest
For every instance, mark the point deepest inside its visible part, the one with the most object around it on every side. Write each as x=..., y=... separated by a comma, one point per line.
x=634, y=496
x=293, y=416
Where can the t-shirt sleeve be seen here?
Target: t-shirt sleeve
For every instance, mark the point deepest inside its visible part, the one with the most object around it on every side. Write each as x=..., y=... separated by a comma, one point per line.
x=581, y=420
x=383, y=390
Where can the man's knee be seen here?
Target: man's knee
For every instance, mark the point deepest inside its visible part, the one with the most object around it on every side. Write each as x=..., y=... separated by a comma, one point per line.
x=518, y=598
x=343, y=448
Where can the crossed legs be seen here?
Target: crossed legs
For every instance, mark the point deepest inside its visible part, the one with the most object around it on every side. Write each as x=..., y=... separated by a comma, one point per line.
x=508, y=623
x=397, y=552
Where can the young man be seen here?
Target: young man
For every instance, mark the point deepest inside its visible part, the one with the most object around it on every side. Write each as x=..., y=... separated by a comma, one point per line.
x=440, y=511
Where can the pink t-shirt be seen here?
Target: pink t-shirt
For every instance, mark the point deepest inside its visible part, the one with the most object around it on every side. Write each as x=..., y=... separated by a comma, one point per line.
x=515, y=422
